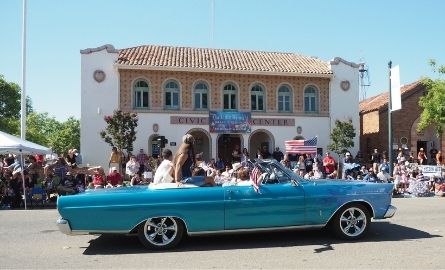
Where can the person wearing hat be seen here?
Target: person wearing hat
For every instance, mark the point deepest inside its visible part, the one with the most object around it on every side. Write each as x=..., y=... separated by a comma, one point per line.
x=421, y=157
x=184, y=160
x=68, y=185
x=235, y=167
x=99, y=177
x=347, y=165
x=114, y=177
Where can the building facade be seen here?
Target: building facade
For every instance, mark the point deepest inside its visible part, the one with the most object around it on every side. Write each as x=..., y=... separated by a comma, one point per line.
x=374, y=124
x=173, y=89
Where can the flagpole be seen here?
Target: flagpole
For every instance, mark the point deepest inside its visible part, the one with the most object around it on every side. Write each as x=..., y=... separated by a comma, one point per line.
x=390, y=122
x=23, y=99
x=23, y=92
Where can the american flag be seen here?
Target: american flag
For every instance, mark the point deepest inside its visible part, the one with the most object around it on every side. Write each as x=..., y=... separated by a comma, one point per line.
x=255, y=176
x=301, y=146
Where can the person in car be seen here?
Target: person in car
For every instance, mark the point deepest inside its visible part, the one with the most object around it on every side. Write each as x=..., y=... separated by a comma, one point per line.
x=164, y=173
x=200, y=178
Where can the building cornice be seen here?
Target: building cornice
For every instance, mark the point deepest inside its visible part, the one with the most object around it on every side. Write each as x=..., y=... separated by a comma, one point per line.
x=208, y=70
x=110, y=49
x=338, y=60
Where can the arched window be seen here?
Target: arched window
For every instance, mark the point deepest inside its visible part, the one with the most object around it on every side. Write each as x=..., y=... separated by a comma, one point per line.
x=310, y=100
x=257, y=98
x=171, y=90
x=230, y=93
x=201, y=93
x=284, y=99
x=140, y=95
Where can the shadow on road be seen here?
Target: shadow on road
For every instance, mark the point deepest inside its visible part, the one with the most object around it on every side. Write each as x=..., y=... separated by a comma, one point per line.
x=379, y=232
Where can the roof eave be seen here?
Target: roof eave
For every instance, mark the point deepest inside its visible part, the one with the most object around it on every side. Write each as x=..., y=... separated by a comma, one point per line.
x=210, y=70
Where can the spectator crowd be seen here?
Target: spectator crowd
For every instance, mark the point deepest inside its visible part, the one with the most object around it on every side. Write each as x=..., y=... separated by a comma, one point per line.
x=58, y=175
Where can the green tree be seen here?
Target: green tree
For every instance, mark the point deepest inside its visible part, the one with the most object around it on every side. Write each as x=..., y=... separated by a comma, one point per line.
x=41, y=128
x=66, y=137
x=120, y=130
x=433, y=102
x=10, y=106
x=342, y=138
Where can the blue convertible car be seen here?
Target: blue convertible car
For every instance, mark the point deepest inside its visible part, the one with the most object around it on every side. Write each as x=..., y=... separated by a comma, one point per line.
x=161, y=216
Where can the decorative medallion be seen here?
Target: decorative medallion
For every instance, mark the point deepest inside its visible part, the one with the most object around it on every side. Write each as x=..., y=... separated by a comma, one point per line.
x=99, y=76
x=155, y=128
x=299, y=130
x=345, y=85
x=403, y=140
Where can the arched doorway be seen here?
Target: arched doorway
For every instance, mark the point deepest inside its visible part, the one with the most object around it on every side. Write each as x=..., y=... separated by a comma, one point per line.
x=261, y=139
x=203, y=142
x=226, y=145
x=154, y=149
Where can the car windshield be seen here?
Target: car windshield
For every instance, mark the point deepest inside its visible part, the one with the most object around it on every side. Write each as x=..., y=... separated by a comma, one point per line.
x=276, y=171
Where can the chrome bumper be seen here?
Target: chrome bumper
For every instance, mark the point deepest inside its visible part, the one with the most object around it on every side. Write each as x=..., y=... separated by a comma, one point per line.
x=390, y=212
x=64, y=226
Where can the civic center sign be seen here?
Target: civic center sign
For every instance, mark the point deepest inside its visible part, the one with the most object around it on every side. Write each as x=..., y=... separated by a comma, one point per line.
x=204, y=121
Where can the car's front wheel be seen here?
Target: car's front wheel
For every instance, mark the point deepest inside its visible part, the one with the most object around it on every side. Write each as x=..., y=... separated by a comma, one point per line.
x=161, y=232
x=351, y=222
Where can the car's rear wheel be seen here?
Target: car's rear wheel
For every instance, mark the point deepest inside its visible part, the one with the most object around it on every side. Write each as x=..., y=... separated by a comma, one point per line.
x=161, y=232
x=351, y=222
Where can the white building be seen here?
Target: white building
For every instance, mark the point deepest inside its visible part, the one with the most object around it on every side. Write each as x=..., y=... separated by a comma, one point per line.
x=173, y=89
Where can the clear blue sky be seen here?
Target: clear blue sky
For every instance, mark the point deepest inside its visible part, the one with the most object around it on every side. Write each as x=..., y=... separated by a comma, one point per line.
x=408, y=32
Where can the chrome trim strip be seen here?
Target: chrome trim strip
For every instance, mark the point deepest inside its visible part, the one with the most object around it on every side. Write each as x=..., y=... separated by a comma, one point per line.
x=257, y=230
x=390, y=212
x=80, y=232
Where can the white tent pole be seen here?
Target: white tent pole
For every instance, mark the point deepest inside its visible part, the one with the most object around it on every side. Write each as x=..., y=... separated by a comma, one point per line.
x=23, y=177
x=23, y=97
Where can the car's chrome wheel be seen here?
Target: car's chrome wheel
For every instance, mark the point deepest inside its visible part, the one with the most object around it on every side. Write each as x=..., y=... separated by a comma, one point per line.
x=161, y=232
x=352, y=221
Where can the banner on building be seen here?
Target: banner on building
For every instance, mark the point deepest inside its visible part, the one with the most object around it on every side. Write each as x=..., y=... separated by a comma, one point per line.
x=230, y=122
x=396, y=98
x=301, y=146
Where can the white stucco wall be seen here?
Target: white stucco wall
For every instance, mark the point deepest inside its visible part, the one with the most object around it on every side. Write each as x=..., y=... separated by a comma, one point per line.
x=312, y=126
x=344, y=105
x=100, y=99
x=97, y=100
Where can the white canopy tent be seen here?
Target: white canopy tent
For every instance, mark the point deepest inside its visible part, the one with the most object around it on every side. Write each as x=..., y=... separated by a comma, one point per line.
x=15, y=145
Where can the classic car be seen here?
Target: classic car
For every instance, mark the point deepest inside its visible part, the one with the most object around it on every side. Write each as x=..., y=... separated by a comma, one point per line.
x=161, y=214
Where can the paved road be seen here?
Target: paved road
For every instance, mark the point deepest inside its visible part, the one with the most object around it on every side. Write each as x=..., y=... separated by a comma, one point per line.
x=414, y=238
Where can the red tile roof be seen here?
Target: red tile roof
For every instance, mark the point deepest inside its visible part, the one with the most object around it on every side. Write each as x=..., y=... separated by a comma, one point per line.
x=221, y=60
x=381, y=101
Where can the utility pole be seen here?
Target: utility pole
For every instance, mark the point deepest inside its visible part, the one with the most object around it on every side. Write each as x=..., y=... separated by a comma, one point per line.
x=390, y=122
